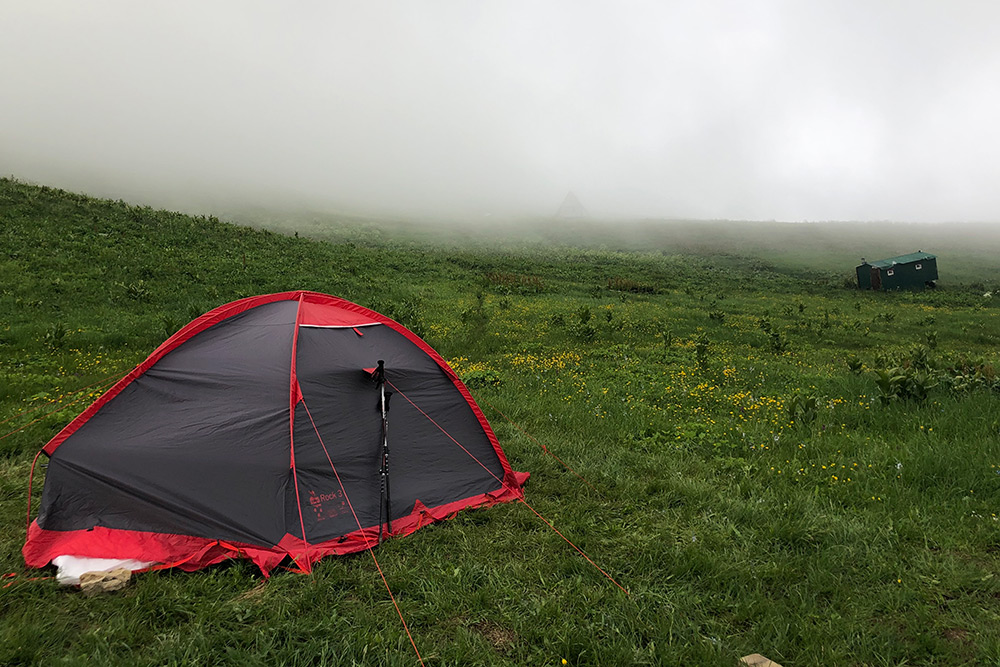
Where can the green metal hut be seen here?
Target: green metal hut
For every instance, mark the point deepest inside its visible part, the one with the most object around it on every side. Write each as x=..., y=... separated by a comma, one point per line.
x=915, y=271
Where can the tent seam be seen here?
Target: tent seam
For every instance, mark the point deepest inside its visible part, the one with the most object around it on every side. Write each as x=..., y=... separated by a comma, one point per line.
x=292, y=402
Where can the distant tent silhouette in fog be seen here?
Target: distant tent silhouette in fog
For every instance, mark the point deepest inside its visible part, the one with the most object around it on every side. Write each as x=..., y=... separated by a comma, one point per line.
x=571, y=209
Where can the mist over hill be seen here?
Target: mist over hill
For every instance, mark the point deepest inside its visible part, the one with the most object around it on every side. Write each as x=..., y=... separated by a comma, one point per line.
x=828, y=110
x=968, y=250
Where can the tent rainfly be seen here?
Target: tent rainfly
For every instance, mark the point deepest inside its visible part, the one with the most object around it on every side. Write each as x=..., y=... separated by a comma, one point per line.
x=262, y=430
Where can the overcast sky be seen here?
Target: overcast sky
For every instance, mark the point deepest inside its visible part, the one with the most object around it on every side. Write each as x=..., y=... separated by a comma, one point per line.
x=788, y=110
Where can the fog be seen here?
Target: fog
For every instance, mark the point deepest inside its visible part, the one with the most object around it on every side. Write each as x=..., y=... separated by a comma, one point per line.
x=786, y=110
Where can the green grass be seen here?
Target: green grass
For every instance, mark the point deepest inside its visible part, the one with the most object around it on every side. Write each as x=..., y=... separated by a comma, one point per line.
x=815, y=251
x=855, y=528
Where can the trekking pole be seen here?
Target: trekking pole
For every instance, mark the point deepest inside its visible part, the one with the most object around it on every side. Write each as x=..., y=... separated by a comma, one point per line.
x=385, y=502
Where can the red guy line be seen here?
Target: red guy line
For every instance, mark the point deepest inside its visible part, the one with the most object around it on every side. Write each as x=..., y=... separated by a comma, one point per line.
x=363, y=535
x=31, y=476
x=544, y=448
x=519, y=497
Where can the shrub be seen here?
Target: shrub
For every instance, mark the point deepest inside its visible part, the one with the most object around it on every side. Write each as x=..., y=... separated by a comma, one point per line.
x=854, y=365
x=701, y=351
x=476, y=317
x=584, y=330
x=482, y=378
x=803, y=408
x=55, y=335
x=904, y=384
x=775, y=339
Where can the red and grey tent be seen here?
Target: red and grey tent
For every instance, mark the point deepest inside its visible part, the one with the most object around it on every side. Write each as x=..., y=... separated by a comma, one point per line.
x=262, y=430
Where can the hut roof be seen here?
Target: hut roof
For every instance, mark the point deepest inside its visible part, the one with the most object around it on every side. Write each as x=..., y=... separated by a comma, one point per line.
x=902, y=259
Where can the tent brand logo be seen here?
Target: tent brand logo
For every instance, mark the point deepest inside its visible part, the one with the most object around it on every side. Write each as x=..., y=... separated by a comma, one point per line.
x=327, y=505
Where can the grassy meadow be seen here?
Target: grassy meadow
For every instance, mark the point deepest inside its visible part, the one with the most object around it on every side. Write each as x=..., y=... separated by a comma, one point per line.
x=779, y=463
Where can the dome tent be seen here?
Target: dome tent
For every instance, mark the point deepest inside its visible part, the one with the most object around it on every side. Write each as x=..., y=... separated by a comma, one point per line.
x=262, y=430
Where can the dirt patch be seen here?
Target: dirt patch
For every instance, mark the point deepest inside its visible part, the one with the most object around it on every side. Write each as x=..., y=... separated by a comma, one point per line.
x=957, y=635
x=499, y=637
x=253, y=593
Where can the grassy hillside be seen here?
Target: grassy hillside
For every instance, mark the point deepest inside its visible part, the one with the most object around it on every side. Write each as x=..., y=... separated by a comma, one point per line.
x=782, y=464
x=967, y=252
